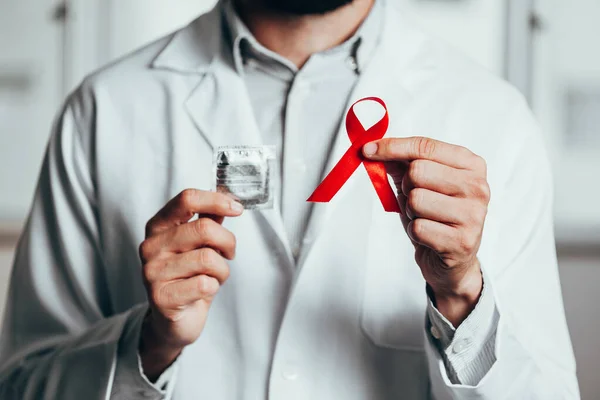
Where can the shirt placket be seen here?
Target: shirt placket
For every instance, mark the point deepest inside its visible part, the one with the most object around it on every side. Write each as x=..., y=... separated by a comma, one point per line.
x=295, y=162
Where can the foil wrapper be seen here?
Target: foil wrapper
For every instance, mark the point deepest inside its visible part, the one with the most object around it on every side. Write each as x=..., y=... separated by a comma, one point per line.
x=247, y=174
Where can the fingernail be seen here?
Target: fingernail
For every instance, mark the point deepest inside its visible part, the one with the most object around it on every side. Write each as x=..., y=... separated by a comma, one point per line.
x=236, y=207
x=370, y=149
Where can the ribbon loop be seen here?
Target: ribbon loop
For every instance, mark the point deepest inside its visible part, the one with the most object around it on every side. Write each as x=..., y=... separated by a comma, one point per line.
x=353, y=157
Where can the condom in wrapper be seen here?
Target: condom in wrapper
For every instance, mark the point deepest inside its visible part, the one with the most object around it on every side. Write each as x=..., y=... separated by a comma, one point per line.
x=246, y=174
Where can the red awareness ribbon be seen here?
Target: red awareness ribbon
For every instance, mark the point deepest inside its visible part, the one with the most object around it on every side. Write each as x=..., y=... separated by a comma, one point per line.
x=352, y=159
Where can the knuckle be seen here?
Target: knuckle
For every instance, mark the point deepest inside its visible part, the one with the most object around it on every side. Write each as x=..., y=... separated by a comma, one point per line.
x=172, y=316
x=206, y=257
x=465, y=153
x=391, y=147
x=203, y=227
x=220, y=201
x=479, y=215
x=233, y=241
x=468, y=242
x=205, y=285
x=480, y=164
x=414, y=199
x=424, y=147
x=145, y=250
x=385, y=147
x=169, y=296
x=416, y=171
x=418, y=229
x=481, y=189
x=451, y=262
x=150, y=271
x=226, y=272
x=187, y=197
x=149, y=229
x=202, y=283
x=156, y=297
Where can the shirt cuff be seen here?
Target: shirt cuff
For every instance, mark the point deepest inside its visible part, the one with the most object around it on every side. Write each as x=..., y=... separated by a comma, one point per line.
x=130, y=381
x=468, y=351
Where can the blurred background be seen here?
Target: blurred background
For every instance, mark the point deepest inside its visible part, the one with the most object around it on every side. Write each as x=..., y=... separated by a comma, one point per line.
x=547, y=48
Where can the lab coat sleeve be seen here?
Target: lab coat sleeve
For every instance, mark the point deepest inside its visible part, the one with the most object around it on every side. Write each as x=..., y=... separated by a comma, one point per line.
x=467, y=351
x=60, y=336
x=130, y=380
x=532, y=349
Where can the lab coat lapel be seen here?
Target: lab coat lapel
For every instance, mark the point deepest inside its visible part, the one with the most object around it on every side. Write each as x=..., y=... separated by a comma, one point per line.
x=395, y=70
x=221, y=110
x=218, y=105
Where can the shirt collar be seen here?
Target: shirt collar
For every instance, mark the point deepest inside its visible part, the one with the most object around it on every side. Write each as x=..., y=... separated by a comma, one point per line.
x=360, y=46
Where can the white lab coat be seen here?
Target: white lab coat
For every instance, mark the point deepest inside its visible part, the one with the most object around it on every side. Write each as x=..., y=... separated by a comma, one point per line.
x=348, y=321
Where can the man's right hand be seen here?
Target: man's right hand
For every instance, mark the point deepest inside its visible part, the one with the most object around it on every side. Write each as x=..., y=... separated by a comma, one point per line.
x=184, y=265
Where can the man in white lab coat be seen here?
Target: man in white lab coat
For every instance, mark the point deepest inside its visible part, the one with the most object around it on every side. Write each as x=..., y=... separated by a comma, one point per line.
x=337, y=300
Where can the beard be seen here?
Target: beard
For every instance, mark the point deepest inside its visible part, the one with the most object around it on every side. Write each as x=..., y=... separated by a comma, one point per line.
x=305, y=7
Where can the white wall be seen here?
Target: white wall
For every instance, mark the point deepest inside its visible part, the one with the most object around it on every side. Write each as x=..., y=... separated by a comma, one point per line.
x=136, y=22
x=567, y=55
x=579, y=278
x=30, y=91
x=475, y=26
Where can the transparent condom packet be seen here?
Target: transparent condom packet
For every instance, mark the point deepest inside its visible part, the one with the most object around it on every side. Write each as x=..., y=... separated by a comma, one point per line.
x=247, y=174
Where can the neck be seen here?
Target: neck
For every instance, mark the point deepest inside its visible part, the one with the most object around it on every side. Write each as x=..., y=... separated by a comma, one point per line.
x=297, y=37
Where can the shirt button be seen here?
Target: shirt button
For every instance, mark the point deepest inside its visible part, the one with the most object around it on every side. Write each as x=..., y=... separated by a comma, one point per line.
x=352, y=64
x=435, y=332
x=296, y=251
x=251, y=63
x=290, y=372
x=460, y=346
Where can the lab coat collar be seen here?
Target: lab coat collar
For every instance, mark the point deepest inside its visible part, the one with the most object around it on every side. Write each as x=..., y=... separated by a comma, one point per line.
x=193, y=48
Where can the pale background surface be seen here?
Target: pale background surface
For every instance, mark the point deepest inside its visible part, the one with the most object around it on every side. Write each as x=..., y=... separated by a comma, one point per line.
x=41, y=60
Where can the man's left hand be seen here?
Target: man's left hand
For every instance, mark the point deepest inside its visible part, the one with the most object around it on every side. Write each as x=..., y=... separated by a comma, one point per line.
x=443, y=194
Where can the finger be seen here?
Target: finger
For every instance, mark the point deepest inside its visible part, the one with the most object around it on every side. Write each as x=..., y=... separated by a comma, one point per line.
x=186, y=204
x=414, y=148
x=434, y=235
x=403, y=216
x=216, y=218
x=196, y=234
x=397, y=170
x=402, y=199
x=424, y=203
x=205, y=261
x=438, y=177
x=188, y=291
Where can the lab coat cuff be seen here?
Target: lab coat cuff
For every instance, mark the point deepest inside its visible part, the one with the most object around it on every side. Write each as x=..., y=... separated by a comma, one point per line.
x=512, y=370
x=130, y=380
x=467, y=351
